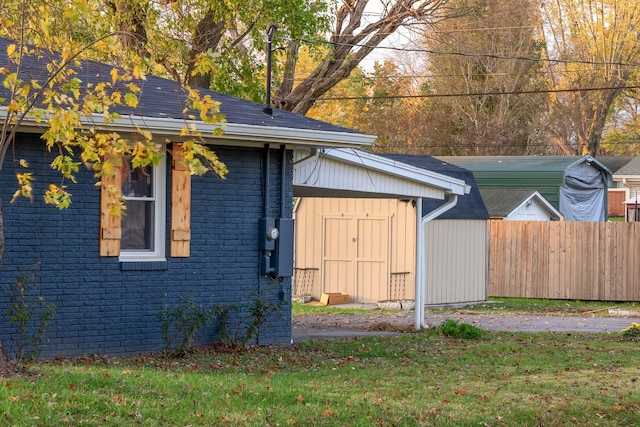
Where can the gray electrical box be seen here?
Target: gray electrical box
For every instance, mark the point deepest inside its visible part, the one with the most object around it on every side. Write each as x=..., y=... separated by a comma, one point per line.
x=284, y=249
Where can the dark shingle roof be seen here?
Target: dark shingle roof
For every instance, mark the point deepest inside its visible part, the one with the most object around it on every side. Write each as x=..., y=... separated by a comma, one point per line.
x=630, y=169
x=469, y=206
x=163, y=98
x=614, y=163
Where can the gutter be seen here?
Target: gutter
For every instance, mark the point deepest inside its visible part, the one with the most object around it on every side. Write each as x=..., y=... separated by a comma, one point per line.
x=421, y=222
x=232, y=133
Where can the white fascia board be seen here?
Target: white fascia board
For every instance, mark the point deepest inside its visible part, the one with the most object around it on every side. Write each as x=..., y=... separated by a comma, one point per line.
x=403, y=170
x=172, y=128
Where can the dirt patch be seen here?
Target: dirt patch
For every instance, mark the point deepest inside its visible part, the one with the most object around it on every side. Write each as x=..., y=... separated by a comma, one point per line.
x=390, y=327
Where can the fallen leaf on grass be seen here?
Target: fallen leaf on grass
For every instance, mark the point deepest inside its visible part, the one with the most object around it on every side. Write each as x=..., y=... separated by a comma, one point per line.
x=328, y=413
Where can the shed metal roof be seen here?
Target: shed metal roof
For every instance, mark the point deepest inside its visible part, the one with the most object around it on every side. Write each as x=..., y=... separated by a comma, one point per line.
x=543, y=173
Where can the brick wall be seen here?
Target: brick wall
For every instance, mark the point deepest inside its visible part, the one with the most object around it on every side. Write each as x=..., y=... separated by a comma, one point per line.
x=106, y=307
x=616, y=200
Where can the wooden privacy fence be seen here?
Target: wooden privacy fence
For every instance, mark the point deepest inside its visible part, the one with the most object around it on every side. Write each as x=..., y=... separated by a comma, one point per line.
x=565, y=260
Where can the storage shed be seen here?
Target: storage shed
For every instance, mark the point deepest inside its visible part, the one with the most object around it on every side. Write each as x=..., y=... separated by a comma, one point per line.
x=518, y=204
x=576, y=186
x=367, y=247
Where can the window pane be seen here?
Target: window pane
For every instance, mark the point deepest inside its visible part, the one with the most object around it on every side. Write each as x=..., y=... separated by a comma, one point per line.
x=137, y=225
x=137, y=182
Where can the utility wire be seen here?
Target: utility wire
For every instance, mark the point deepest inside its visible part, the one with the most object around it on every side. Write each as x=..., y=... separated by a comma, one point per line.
x=451, y=95
x=370, y=76
x=466, y=54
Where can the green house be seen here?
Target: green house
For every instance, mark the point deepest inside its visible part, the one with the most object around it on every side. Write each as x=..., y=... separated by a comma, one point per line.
x=576, y=186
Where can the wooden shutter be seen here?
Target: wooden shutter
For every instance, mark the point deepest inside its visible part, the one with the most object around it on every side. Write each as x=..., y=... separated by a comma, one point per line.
x=180, y=205
x=110, y=229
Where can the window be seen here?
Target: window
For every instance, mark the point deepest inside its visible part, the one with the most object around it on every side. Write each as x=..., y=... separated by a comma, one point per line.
x=143, y=222
x=140, y=235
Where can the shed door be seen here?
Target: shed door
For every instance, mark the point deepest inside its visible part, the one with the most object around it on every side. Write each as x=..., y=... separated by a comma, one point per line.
x=356, y=257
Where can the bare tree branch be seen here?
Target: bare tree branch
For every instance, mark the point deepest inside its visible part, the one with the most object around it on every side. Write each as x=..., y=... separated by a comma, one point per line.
x=351, y=41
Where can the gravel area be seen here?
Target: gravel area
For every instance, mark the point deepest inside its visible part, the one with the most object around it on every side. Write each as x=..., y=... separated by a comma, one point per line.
x=392, y=323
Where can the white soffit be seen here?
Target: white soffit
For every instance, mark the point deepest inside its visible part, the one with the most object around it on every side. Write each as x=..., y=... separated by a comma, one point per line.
x=343, y=172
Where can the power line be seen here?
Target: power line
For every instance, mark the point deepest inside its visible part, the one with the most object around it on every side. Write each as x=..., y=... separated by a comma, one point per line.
x=451, y=95
x=471, y=55
x=370, y=76
x=427, y=145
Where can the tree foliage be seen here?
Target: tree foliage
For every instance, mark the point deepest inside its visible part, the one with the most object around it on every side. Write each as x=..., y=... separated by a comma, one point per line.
x=486, y=59
x=218, y=45
x=593, y=45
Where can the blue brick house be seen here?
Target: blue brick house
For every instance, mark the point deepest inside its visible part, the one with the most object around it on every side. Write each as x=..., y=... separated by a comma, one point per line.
x=205, y=238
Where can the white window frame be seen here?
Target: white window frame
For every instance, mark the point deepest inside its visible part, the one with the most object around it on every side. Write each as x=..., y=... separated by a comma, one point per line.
x=160, y=197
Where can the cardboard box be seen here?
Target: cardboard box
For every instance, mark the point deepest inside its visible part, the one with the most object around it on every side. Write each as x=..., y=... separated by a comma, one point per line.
x=334, y=298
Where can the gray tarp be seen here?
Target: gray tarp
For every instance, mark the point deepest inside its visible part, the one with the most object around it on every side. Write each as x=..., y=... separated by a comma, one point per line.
x=583, y=196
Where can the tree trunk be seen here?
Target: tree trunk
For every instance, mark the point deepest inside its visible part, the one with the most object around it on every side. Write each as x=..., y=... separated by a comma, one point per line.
x=7, y=368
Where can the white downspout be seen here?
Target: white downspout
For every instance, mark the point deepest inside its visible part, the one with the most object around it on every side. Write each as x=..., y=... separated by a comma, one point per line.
x=420, y=256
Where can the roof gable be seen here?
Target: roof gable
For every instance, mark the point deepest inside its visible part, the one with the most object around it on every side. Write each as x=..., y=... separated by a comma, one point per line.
x=355, y=173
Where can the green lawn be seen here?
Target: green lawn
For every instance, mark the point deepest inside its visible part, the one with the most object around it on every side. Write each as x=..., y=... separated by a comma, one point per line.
x=425, y=378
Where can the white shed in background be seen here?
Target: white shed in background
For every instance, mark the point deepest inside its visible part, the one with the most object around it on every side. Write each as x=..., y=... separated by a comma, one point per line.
x=518, y=204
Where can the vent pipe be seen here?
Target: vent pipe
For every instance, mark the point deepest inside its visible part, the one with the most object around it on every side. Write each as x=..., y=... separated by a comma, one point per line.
x=270, y=32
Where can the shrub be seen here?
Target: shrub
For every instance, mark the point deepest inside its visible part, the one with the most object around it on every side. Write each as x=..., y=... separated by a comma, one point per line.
x=31, y=316
x=180, y=323
x=632, y=333
x=454, y=329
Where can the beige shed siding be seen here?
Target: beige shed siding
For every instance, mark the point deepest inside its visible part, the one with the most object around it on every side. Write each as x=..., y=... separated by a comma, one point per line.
x=402, y=284
x=456, y=264
x=337, y=238
x=339, y=174
x=307, y=246
x=371, y=240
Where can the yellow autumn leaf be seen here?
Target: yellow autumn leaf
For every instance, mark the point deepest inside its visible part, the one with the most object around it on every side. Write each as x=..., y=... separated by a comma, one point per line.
x=131, y=100
x=114, y=75
x=137, y=73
